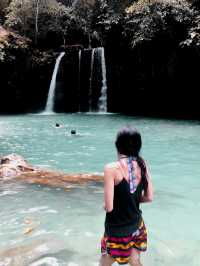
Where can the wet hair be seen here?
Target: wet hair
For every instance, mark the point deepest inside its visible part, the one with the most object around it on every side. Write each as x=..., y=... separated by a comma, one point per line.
x=129, y=142
x=57, y=125
x=73, y=132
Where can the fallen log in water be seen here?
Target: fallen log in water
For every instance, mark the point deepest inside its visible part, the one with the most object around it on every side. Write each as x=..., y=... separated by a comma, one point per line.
x=57, y=179
x=15, y=167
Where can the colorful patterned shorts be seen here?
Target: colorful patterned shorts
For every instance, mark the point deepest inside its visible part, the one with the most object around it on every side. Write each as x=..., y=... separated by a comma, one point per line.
x=119, y=248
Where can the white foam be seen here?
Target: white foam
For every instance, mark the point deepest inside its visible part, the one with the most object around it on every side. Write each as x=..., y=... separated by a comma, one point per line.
x=6, y=262
x=51, y=211
x=42, y=248
x=89, y=234
x=67, y=232
x=36, y=209
x=48, y=261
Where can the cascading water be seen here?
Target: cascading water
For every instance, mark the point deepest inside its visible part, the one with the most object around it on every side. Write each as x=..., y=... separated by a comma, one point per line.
x=91, y=77
x=102, y=103
x=91, y=90
x=79, y=66
x=79, y=79
x=51, y=94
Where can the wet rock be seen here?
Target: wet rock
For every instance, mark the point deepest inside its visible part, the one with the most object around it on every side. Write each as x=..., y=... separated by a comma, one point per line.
x=25, y=254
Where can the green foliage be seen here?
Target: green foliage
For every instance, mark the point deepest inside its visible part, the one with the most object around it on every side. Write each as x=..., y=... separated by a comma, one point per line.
x=3, y=5
x=10, y=41
x=2, y=53
x=3, y=43
x=141, y=19
x=142, y=5
x=195, y=3
x=37, y=17
x=146, y=20
x=139, y=5
x=84, y=11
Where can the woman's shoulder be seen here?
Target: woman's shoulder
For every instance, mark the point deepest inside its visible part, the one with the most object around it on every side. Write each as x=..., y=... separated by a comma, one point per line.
x=111, y=166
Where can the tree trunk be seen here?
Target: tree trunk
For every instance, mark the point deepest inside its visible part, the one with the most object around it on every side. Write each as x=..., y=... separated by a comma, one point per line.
x=36, y=21
x=24, y=17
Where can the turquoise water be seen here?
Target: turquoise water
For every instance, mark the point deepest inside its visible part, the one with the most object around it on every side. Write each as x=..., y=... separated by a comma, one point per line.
x=70, y=222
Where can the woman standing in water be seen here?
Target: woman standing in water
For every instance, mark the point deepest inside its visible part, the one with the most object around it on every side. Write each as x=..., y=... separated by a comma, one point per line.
x=127, y=183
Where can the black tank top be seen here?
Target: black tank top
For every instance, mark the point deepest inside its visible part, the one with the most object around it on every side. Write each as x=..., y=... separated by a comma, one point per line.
x=126, y=216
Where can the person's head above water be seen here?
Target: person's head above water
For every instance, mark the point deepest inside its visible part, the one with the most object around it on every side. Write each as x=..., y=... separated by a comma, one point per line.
x=57, y=125
x=128, y=141
x=73, y=132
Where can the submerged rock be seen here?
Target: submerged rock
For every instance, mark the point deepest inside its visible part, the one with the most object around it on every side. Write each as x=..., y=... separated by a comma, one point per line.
x=31, y=252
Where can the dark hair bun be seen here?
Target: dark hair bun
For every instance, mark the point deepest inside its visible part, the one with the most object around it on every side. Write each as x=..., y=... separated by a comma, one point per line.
x=128, y=141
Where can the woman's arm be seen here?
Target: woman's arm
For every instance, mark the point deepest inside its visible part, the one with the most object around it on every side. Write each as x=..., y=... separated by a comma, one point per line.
x=147, y=195
x=108, y=188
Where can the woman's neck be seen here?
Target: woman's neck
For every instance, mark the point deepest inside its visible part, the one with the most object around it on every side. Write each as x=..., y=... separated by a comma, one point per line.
x=122, y=156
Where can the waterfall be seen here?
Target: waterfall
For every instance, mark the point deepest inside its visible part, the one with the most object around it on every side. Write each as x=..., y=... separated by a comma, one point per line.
x=102, y=103
x=79, y=67
x=79, y=80
x=51, y=94
x=91, y=76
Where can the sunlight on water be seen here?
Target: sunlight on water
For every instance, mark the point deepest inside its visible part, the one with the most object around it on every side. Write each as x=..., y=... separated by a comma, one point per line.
x=54, y=226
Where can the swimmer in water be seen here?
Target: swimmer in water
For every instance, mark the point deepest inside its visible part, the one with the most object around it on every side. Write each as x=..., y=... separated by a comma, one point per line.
x=73, y=132
x=58, y=125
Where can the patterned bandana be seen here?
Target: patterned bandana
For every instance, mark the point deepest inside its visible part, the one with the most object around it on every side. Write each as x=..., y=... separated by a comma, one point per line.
x=132, y=177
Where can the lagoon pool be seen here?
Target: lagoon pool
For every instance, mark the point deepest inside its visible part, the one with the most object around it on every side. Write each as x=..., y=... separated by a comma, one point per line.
x=65, y=225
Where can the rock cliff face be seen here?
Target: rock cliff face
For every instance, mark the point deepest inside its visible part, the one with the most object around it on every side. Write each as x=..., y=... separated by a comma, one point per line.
x=152, y=58
x=13, y=50
x=24, y=72
x=152, y=50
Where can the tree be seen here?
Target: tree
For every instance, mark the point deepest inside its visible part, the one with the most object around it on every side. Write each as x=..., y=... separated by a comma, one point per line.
x=84, y=10
x=3, y=5
x=34, y=18
x=18, y=15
